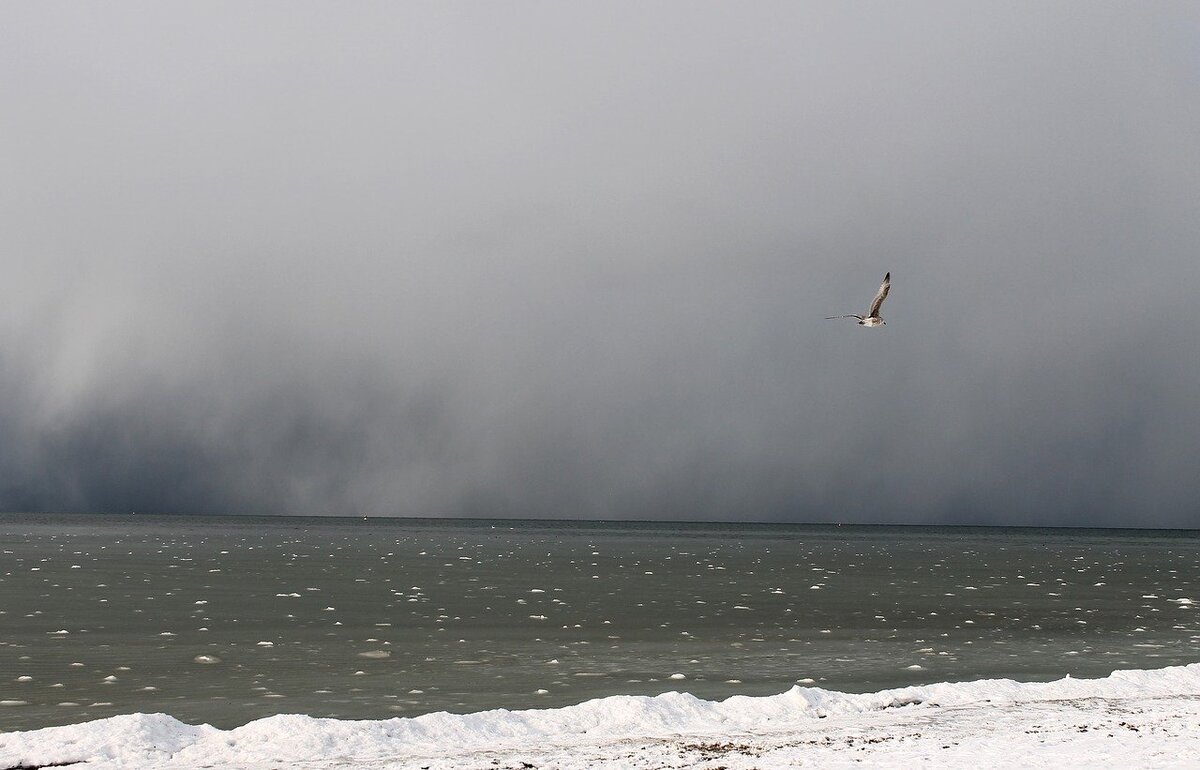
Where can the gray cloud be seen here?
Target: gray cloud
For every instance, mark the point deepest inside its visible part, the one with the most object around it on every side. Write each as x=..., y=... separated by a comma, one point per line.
x=561, y=261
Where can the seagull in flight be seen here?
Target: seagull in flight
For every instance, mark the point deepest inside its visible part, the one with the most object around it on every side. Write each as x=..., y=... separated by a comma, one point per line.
x=872, y=318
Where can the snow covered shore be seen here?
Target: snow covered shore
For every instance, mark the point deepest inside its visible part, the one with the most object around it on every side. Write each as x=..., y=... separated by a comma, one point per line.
x=1131, y=718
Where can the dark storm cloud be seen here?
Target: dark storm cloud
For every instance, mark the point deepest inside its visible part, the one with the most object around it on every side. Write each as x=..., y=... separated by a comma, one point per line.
x=572, y=261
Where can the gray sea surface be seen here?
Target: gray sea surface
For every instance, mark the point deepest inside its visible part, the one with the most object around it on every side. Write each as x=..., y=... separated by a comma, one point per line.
x=228, y=619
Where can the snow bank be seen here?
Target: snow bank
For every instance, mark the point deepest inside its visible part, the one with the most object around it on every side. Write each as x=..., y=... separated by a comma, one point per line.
x=152, y=740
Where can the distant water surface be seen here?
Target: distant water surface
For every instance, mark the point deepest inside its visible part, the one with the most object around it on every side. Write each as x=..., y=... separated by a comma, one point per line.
x=227, y=619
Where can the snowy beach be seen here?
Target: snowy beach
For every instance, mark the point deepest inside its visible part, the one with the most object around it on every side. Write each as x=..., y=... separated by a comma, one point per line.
x=1131, y=718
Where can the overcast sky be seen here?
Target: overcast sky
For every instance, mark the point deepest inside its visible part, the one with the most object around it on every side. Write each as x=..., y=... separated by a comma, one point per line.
x=573, y=260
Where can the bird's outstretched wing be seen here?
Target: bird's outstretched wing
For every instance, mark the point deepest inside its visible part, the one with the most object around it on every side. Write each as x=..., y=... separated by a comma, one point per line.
x=853, y=315
x=881, y=296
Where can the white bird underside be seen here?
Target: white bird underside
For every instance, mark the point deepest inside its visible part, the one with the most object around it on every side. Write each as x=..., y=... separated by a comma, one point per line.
x=872, y=318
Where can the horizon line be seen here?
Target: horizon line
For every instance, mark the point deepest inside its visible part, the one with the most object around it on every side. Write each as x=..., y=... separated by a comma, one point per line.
x=547, y=520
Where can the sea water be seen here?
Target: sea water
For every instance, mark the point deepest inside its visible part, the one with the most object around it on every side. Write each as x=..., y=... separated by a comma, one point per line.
x=228, y=619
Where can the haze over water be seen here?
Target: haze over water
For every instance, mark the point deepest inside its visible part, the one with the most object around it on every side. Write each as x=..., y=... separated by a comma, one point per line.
x=227, y=619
